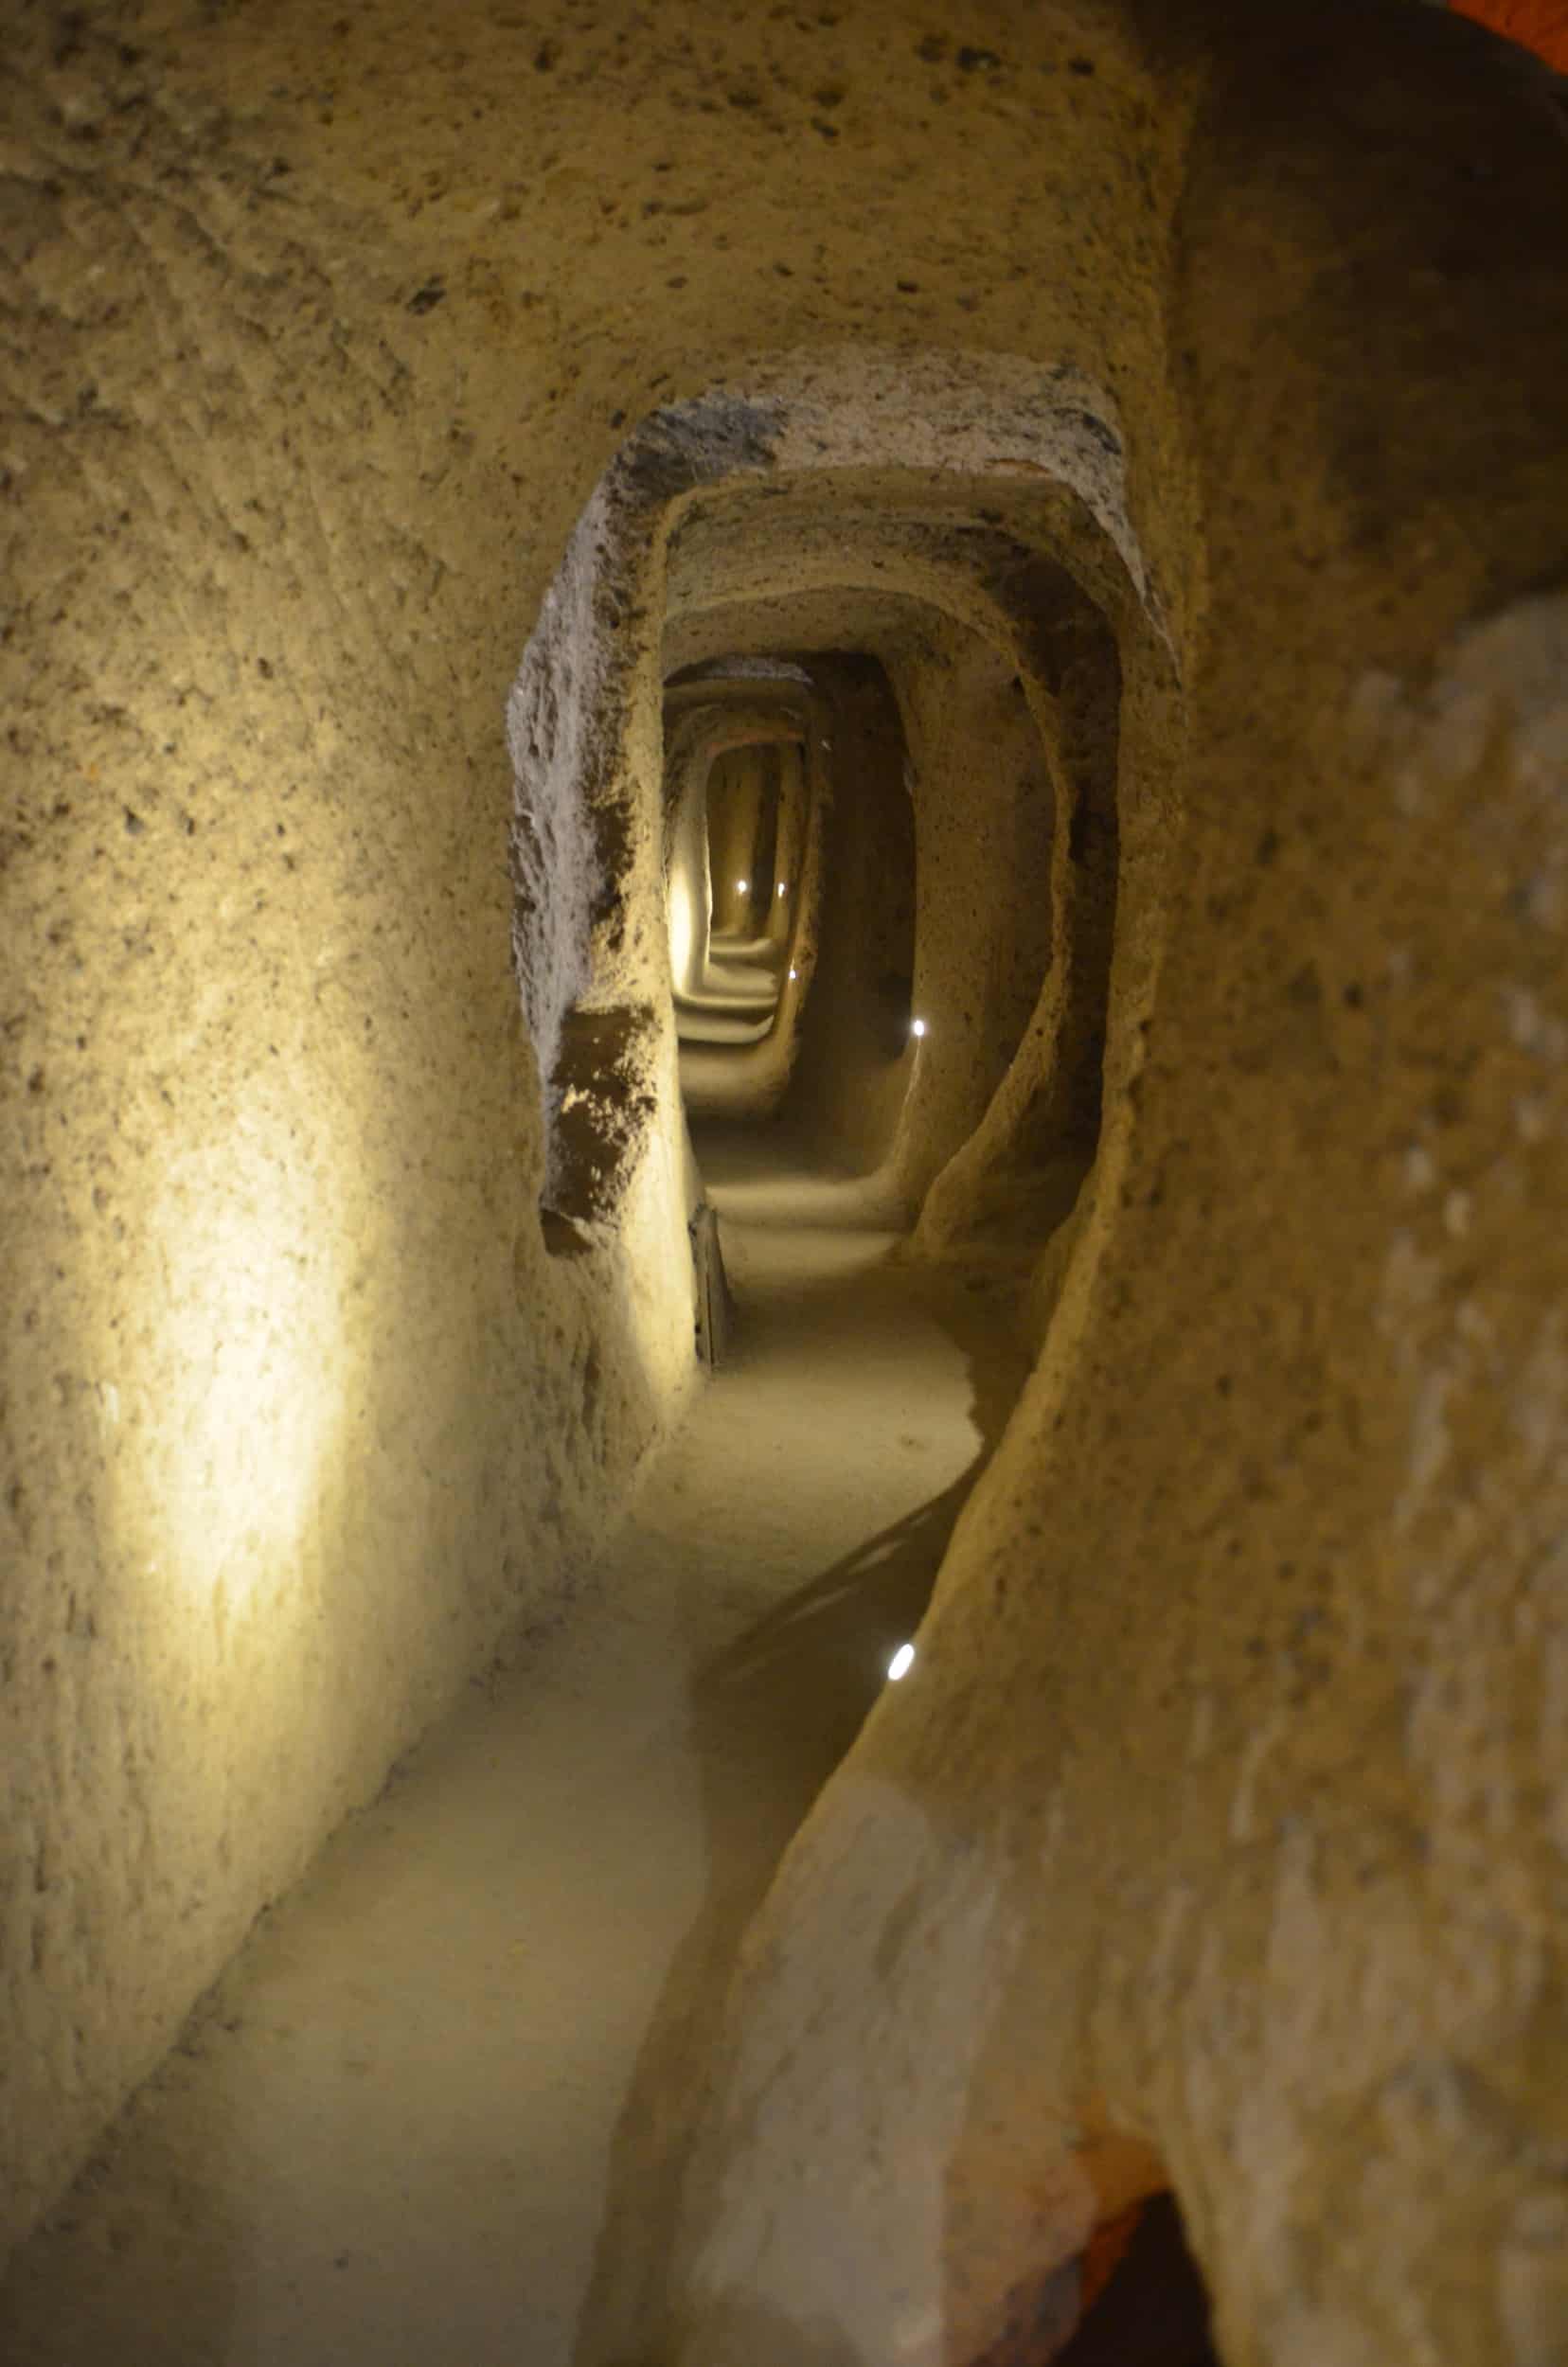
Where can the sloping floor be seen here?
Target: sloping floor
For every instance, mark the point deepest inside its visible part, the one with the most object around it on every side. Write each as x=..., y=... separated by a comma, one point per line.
x=426, y=2118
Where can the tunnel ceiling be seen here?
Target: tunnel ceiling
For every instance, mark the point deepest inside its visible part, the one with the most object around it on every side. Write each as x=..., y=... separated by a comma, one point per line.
x=865, y=543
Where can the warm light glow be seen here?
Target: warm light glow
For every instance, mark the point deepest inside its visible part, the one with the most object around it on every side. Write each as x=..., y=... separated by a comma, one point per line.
x=743, y=885
x=249, y=1312
x=794, y=973
x=683, y=928
x=781, y=887
x=916, y=1027
x=901, y=1662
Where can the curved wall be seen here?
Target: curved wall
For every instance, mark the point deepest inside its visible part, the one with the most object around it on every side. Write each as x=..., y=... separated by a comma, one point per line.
x=1217, y=1835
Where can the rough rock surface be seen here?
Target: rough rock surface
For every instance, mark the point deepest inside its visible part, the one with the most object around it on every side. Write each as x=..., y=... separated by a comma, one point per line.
x=1221, y=1839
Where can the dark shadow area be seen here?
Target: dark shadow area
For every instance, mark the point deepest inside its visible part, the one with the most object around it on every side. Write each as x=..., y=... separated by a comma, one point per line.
x=1152, y=2311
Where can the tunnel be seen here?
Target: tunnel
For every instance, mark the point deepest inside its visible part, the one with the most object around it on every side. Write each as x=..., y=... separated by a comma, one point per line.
x=786, y=1113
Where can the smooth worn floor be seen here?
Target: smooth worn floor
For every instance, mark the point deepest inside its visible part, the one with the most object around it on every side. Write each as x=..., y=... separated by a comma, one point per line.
x=427, y=2117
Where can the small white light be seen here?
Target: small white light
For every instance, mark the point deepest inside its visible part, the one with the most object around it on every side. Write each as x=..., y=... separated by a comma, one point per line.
x=794, y=973
x=901, y=1662
x=917, y=1026
x=743, y=885
x=781, y=887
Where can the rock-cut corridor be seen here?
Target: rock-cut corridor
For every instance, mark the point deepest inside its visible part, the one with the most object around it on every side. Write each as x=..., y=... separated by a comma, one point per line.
x=431, y=2115
x=923, y=655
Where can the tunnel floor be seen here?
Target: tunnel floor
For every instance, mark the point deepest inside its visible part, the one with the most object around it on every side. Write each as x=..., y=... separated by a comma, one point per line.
x=428, y=2113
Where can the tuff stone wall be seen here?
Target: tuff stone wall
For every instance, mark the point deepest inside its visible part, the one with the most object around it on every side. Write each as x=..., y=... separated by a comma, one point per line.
x=1221, y=1829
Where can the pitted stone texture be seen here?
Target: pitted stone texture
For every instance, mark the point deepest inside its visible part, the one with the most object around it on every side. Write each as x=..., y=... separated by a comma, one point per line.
x=1237, y=1741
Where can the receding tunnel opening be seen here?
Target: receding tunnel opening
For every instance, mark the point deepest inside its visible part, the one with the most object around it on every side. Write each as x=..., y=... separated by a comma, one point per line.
x=810, y=946
x=882, y=819
x=742, y=809
x=818, y=879
x=926, y=1004
x=941, y=1023
x=731, y=901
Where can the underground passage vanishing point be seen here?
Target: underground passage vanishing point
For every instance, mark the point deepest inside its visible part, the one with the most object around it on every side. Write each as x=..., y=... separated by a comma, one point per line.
x=786, y=1120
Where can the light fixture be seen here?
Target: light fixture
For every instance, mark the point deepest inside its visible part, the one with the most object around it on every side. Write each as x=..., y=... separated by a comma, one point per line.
x=794, y=973
x=901, y=1662
x=917, y=1026
x=743, y=885
x=781, y=887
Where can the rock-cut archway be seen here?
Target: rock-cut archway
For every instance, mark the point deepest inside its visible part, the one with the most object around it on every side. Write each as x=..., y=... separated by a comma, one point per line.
x=959, y=524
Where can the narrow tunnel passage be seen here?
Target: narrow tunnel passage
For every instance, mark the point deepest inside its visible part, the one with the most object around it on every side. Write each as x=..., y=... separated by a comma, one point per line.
x=827, y=954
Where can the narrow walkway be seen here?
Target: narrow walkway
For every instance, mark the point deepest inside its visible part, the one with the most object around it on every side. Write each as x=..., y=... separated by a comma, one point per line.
x=393, y=2134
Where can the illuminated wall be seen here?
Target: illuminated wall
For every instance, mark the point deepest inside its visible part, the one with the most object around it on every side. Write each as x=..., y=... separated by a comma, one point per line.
x=1226, y=1799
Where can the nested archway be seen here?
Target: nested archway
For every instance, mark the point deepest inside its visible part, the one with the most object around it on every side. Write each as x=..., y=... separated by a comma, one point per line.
x=959, y=525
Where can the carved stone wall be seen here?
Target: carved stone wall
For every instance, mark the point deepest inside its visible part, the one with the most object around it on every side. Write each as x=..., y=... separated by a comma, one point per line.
x=1219, y=1841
